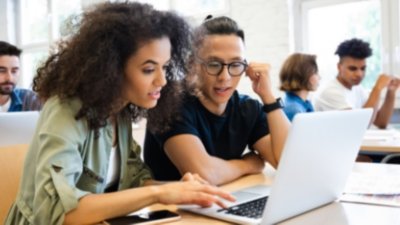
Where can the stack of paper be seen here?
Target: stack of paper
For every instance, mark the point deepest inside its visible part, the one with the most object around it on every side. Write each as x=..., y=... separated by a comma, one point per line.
x=379, y=186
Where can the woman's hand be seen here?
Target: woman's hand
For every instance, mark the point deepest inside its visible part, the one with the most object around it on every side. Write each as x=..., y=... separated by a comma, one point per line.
x=192, y=192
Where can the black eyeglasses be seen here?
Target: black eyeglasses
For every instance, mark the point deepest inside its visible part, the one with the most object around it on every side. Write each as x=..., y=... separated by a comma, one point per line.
x=214, y=67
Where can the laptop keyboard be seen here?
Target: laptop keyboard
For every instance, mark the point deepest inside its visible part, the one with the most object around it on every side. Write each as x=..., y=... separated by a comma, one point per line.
x=253, y=209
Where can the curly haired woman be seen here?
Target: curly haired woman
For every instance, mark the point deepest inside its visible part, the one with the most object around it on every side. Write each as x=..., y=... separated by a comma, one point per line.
x=83, y=165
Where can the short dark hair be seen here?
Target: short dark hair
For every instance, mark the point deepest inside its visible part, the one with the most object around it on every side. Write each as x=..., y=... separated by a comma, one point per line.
x=220, y=25
x=9, y=49
x=296, y=72
x=355, y=48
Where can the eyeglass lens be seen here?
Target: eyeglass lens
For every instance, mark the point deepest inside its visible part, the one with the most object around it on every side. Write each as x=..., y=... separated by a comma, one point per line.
x=234, y=68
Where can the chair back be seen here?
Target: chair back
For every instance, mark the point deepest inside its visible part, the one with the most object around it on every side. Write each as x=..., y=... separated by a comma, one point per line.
x=17, y=127
x=11, y=165
x=393, y=158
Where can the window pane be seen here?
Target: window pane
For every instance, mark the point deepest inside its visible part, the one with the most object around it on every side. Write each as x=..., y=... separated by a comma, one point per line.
x=66, y=15
x=330, y=25
x=34, y=21
x=396, y=70
x=30, y=62
x=196, y=7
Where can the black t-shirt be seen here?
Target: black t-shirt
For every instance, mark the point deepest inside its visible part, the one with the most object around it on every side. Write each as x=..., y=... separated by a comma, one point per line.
x=225, y=136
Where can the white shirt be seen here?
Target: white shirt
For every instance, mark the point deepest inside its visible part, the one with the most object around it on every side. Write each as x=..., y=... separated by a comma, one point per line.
x=335, y=96
x=6, y=106
x=113, y=168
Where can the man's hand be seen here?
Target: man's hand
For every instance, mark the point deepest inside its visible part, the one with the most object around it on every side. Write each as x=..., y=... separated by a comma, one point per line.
x=383, y=81
x=394, y=84
x=261, y=81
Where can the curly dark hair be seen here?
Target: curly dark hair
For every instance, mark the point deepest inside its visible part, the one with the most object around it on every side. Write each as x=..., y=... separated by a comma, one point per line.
x=9, y=49
x=355, y=48
x=90, y=64
x=296, y=72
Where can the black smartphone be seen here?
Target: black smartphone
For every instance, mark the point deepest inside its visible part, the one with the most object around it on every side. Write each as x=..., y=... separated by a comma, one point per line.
x=154, y=217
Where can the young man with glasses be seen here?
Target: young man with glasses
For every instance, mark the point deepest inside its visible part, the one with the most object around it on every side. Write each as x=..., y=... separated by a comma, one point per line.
x=216, y=124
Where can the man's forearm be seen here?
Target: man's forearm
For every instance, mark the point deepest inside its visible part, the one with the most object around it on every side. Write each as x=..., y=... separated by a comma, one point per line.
x=386, y=110
x=219, y=171
x=373, y=99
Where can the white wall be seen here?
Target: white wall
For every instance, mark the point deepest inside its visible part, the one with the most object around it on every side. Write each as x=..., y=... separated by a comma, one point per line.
x=88, y=3
x=265, y=22
x=266, y=26
x=7, y=23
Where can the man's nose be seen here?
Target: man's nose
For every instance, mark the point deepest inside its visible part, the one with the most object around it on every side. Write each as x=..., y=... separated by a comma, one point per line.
x=224, y=75
x=360, y=73
x=9, y=75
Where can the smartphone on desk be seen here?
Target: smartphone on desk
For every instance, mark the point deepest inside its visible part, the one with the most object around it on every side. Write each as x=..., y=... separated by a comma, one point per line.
x=154, y=217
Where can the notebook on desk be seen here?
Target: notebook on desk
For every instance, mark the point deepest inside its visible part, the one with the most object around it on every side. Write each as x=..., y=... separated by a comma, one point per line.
x=318, y=156
x=17, y=127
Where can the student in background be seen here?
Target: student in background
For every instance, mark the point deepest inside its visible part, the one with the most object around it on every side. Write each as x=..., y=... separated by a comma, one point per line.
x=345, y=91
x=298, y=76
x=216, y=124
x=13, y=99
x=83, y=166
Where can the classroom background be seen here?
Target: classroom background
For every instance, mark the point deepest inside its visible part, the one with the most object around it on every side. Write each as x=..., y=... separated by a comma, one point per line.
x=274, y=29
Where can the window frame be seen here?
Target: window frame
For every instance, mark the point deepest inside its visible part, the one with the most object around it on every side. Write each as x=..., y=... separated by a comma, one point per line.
x=390, y=27
x=40, y=46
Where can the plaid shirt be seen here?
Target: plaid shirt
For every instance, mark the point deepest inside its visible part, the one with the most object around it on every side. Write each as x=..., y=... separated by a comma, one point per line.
x=24, y=100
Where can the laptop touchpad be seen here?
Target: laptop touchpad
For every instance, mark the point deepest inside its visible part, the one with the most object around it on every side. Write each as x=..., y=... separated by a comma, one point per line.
x=251, y=193
x=242, y=196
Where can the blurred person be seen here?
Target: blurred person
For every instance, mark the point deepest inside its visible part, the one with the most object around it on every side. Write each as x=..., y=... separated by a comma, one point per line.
x=298, y=76
x=14, y=99
x=346, y=92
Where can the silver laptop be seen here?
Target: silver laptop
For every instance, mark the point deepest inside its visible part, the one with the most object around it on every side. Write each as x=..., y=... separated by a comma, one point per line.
x=17, y=127
x=318, y=156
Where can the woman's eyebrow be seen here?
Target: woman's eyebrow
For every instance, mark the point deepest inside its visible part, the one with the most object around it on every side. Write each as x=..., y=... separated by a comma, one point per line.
x=150, y=61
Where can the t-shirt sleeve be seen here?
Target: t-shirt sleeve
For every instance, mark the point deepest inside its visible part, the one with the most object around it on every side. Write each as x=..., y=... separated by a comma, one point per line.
x=364, y=95
x=260, y=128
x=331, y=99
x=184, y=124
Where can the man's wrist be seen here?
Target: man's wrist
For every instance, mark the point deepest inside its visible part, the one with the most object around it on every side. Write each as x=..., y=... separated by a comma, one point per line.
x=268, y=99
x=277, y=104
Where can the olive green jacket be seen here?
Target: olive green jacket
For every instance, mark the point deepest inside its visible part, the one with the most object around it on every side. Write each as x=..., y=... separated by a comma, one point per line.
x=66, y=161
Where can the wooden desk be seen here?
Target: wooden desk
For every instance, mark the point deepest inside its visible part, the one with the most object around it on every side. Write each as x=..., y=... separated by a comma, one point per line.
x=11, y=165
x=381, y=141
x=337, y=213
x=194, y=219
